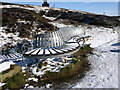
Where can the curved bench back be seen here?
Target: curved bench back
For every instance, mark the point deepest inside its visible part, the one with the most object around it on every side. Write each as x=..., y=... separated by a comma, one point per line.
x=69, y=32
x=56, y=39
x=48, y=40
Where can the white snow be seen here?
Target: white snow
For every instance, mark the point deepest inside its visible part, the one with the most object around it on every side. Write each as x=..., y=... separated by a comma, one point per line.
x=33, y=79
x=48, y=85
x=4, y=37
x=17, y=6
x=30, y=87
x=34, y=71
x=23, y=21
x=60, y=25
x=6, y=65
x=1, y=84
x=23, y=69
x=104, y=64
x=52, y=66
x=26, y=85
x=50, y=18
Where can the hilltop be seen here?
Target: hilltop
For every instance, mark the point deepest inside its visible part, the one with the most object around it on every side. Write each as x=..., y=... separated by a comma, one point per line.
x=69, y=16
x=22, y=22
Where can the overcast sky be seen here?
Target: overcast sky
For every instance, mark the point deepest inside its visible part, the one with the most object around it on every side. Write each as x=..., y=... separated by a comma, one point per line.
x=60, y=0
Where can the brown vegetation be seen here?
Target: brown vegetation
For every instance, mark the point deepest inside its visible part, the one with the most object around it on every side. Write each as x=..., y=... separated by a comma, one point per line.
x=33, y=22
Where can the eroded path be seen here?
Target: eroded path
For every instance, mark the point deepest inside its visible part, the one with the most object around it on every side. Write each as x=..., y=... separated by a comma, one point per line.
x=104, y=61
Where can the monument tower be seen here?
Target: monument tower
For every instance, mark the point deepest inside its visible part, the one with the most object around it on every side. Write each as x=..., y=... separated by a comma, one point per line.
x=45, y=4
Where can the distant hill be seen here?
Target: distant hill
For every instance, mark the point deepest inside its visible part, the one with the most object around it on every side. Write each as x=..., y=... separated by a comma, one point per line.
x=28, y=19
x=78, y=16
x=24, y=21
x=84, y=17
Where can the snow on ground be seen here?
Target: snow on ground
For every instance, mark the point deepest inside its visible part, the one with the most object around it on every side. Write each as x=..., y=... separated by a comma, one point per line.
x=33, y=79
x=16, y=6
x=104, y=64
x=1, y=84
x=8, y=37
x=50, y=18
x=52, y=65
x=100, y=36
x=6, y=65
x=30, y=87
x=60, y=25
x=48, y=85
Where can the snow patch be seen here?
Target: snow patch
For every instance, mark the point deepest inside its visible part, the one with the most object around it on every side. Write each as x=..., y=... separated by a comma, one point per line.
x=104, y=64
x=1, y=84
x=6, y=65
x=33, y=79
x=60, y=25
x=50, y=18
